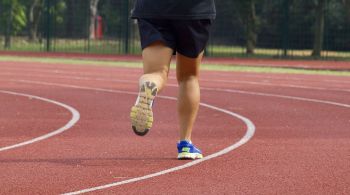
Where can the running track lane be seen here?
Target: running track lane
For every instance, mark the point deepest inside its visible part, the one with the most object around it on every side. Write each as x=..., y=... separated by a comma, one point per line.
x=260, y=148
x=248, y=135
x=70, y=124
x=160, y=173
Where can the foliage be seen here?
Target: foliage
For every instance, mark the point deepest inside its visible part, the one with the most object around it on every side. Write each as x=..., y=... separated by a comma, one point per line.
x=69, y=19
x=15, y=11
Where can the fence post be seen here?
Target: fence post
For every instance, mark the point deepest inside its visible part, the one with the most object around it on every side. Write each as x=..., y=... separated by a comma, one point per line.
x=126, y=33
x=8, y=28
x=48, y=26
x=285, y=27
x=325, y=35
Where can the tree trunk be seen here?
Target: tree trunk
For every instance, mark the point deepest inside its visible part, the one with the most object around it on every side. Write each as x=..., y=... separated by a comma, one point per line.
x=8, y=30
x=93, y=17
x=251, y=28
x=319, y=28
x=347, y=5
x=34, y=19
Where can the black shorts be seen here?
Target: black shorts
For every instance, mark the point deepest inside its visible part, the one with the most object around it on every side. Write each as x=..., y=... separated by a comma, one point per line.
x=188, y=37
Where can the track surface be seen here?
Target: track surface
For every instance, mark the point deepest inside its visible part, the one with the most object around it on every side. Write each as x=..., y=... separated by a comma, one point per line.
x=300, y=146
x=298, y=64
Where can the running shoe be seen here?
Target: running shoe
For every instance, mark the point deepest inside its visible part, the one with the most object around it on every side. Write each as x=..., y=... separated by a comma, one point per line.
x=186, y=150
x=141, y=114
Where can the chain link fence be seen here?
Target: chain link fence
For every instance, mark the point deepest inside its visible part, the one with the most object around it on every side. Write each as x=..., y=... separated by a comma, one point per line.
x=243, y=28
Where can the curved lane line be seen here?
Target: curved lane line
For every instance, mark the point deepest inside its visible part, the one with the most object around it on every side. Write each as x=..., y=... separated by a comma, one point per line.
x=204, y=88
x=75, y=118
x=230, y=148
x=248, y=135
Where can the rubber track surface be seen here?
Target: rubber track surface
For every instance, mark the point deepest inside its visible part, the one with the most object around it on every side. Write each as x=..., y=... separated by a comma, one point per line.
x=301, y=144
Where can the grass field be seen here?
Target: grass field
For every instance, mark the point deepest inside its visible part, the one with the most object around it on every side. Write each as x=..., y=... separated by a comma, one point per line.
x=216, y=67
x=112, y=46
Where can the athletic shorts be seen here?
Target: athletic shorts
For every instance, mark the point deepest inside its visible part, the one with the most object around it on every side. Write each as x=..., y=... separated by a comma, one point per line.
x=187, y=37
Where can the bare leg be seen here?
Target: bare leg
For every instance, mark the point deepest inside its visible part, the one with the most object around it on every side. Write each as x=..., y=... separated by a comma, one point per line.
x=187, y=73
x=156, y=62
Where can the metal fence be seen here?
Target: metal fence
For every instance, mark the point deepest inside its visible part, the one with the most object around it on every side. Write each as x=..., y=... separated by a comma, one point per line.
x=253, y=28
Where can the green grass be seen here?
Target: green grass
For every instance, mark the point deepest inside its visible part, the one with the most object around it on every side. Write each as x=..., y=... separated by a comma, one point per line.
x=274, y=70
x=237, y=51
x=215, y=67
x=114, y=46
x=71, y=61
x=105, y=46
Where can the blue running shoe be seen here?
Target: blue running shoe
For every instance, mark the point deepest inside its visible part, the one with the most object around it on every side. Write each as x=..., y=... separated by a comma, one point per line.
x=186, y=150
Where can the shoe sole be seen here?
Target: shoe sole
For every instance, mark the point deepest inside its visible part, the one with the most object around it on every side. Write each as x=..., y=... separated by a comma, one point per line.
x=141, y=114
x=189, y=156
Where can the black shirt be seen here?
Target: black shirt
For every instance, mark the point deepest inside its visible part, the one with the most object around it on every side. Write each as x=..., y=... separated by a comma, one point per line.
x=174, y=9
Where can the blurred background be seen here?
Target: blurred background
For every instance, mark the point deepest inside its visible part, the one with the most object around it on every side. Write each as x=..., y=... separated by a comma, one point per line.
x=244, y=28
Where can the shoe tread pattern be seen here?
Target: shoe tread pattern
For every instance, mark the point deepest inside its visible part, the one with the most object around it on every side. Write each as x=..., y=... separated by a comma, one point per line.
x=141, y=114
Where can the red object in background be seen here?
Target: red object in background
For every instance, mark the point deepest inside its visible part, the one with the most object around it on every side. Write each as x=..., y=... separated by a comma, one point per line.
x=99, y=28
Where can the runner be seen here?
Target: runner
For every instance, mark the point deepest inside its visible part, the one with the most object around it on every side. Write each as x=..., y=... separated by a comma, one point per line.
x=170, y=27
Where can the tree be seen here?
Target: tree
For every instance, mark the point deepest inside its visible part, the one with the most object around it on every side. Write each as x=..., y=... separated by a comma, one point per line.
x=251, y=28
x=93, y=17
x=35, y=12
x=250, y=20
x=13, y=18
x=319, y=28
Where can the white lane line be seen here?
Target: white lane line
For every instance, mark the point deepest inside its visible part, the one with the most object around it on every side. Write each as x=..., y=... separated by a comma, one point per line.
x=287, y=77
x=210, y=89
x=75, y=118
x=68, y=72
x=248, y=135
x=279, y=96
x=207, y=80
x=278, y=85
x=134, y=70
x=204, y=88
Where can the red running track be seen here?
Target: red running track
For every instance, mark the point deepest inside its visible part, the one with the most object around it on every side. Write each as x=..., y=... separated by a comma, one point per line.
x=300, y=146
x=281, y=63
